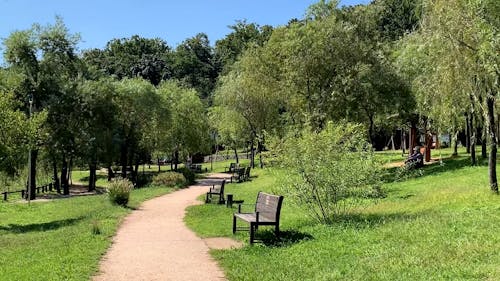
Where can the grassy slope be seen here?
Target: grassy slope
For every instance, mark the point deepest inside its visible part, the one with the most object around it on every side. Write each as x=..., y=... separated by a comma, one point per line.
x=442, y=226
x=54, y=241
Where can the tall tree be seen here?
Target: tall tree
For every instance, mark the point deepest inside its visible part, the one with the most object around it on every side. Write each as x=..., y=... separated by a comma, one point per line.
x=188, y=133
x=458, y=41
x=193, y=65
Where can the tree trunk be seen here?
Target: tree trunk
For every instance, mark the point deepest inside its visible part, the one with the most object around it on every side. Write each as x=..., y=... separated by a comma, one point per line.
x=467, y=133
x=92, y=175
x=176, y=159
x=403, y=141
x=252, y=156
x=136, y=172
x=236, y=155
x=413, y=138
x=455, y=145
x=492, y=162
x=159, y=166
x=259, y=149
x=428, y=146
x=111, y=174
x=55, y=176
x=484, y=153
x=64, y=176
x=472, y=141
x=124, y=158
x=32, y=174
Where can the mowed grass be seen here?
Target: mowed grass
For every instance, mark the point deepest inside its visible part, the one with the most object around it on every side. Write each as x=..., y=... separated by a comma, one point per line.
x=54, y=240
x=444, y=225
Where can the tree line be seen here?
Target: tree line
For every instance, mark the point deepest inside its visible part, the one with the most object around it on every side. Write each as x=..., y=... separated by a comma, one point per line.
x=388, y=64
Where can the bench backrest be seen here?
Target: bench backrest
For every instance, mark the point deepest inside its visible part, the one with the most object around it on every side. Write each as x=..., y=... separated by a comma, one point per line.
x=232, y=167
x=269, y=205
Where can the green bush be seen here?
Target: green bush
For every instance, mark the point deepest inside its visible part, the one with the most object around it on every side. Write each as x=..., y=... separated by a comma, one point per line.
x=170, y=179
x=188, y=174
x=119, y=191
x=329, y=172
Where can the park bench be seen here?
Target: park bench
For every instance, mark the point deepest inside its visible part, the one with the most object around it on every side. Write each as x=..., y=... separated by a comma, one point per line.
x=216, y=190
x=267, y=212
x=239, y=175
x=247, y=174
x=195, y=168
x=231, y=169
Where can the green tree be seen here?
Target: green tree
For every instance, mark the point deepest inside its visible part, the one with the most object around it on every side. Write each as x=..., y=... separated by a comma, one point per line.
x=330, y=171
x=132, y=57
x=193, y=65
x=243, y=35
x=458, y=47
x=188, y=132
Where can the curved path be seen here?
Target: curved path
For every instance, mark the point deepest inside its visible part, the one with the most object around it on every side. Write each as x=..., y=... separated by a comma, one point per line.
x=153, y=242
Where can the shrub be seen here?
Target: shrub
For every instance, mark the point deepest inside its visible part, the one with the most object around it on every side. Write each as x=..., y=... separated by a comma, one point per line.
x=170, y=179
x=329, y=172
x=188, y=174
x=119, y=191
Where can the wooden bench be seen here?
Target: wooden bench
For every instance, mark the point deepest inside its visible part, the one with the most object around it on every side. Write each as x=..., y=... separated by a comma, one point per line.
x=231, y=169
x=247, y=174
x=267, y=212
x=239, y=175
x=196, y=168
x=216, y=190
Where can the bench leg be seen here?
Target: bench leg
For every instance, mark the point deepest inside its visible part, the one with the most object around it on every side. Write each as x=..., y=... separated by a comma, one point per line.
x=252, y=232
x=206, y=200
x=234, y=224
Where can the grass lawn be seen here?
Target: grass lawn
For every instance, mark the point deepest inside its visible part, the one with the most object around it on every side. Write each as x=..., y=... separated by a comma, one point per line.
x=443, y=225
x=54, y=240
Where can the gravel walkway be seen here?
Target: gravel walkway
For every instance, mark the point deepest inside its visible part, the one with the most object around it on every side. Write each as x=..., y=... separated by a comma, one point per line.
x=153, y=242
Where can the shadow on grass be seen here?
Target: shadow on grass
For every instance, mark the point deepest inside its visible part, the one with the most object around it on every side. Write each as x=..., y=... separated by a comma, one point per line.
x=286, y=238
x=360, y=221
x=40, y=227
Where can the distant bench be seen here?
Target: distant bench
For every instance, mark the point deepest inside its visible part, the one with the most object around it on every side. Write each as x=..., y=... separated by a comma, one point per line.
x=197, y=168
x=267, y=212
x=217, y=190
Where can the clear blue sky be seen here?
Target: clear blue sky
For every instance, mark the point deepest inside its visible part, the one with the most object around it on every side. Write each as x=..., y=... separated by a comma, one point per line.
x=99, y=21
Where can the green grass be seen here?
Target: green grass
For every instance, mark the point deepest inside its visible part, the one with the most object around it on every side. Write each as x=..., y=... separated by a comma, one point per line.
x=54, y=240
x=440, y=226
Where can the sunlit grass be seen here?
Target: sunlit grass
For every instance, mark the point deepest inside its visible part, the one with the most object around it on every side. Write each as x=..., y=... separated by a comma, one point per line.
x=56, y=240
x=440, y=226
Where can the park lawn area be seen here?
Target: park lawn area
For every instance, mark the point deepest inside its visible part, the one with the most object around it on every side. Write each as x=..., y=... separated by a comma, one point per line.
x=443, y=225
x=54, y=240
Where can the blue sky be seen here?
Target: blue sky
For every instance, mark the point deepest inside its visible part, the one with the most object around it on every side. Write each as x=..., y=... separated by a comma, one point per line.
x=99, y=21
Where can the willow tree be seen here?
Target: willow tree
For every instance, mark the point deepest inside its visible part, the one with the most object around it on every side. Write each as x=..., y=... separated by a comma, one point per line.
x=188, y=132
x=458, y=45
x=251, y=91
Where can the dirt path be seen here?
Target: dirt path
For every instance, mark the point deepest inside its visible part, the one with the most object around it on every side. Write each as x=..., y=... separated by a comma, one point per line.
x=154, y=244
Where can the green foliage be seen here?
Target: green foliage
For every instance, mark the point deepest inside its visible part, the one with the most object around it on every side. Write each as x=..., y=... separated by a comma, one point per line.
x=329, y=172
x=188, y=133
x=119, y=191
x=194, y=65
x=189, y=175
x=170, y=179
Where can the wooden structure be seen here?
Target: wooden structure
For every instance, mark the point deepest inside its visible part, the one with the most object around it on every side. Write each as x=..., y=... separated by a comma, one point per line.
x=231, y=169
x=217, y=190
x=267, y=212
